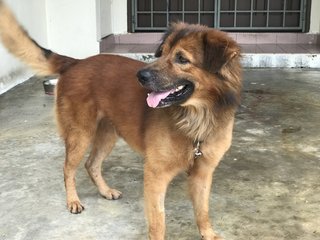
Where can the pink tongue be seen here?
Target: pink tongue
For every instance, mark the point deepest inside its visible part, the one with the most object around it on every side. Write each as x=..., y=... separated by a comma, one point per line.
x=154, y=98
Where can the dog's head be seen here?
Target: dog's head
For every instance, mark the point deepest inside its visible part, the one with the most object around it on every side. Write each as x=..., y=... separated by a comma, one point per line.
x=194, y=63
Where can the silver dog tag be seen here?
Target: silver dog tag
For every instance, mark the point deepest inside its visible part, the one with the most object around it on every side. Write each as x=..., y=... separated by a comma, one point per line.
x=197, y=151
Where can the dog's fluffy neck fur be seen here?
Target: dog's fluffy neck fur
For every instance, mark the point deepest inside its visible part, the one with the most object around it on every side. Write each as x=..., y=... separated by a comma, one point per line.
x=198, y=123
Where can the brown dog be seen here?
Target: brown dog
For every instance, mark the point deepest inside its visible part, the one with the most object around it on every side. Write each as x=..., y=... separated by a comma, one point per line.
x=194, y=89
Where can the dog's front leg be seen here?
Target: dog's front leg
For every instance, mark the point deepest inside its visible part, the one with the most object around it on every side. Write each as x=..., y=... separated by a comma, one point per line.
x=156, y=180
x=199, y=181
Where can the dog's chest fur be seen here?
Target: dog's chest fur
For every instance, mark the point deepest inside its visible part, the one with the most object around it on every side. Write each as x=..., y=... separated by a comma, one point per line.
x=196, y=124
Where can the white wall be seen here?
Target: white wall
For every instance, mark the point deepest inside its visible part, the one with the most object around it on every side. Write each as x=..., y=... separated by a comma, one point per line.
x=72, y=27
x=104, y=25
x=111, y=17
x=315, y=17
x=119, y=16
x=30, y=13
x=67, y=27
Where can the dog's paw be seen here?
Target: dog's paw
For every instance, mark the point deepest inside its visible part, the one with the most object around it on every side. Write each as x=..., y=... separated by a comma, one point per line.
x=112, y=194
x=210, y=235
x=213, y=237
x=75, y=207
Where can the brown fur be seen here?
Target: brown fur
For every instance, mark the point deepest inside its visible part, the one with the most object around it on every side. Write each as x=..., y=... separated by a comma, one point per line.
x=97, y=101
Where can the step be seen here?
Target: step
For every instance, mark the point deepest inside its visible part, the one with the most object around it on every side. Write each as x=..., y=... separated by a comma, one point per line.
x=259, y=50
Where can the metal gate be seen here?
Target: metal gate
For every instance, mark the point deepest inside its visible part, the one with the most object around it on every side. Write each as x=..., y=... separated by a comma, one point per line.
x=232, y=15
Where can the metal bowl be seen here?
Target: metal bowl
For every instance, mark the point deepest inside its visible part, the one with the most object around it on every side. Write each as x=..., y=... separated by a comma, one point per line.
x=49, y=85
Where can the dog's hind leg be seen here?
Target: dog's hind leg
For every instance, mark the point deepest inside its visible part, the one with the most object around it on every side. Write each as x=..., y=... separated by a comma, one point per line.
x=103, y=143
x=76, y=143
x=77, y=124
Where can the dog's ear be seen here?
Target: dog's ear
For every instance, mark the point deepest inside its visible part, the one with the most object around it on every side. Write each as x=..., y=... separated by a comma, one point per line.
x=174, y=26
x=158, y=52
x=218, y=50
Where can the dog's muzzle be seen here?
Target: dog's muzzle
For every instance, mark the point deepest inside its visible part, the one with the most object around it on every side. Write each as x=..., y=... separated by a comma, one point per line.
x=164, y=94
x=145, y=76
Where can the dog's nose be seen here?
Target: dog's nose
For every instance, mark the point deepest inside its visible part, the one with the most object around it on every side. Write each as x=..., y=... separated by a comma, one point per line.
x=144, y=76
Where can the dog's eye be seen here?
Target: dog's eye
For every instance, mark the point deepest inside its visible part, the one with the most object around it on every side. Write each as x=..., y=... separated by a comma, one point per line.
x=181, y=59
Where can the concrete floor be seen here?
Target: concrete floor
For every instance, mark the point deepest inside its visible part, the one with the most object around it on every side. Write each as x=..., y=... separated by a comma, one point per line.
x=266, y=188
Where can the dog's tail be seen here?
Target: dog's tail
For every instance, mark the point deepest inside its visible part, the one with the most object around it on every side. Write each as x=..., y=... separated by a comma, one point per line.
x=20, y=44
